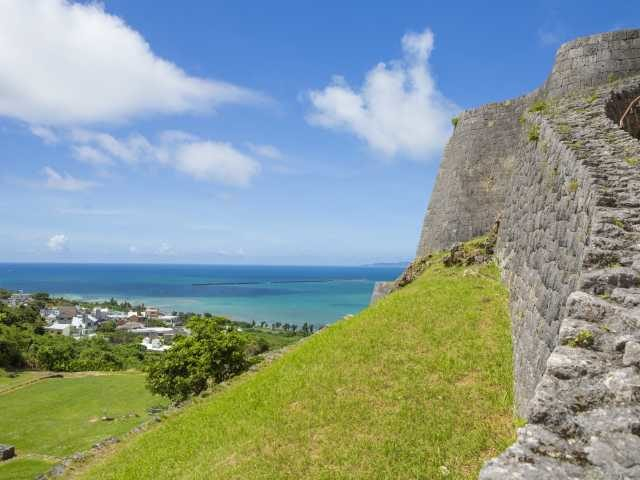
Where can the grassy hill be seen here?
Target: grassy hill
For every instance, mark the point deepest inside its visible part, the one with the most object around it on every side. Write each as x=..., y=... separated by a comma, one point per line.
x=55, y=417
x=418, y=386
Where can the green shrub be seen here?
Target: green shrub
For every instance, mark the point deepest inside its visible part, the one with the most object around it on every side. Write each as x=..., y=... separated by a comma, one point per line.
x=573, y=186
x=454, y=121
x=539, y=106
x=583, y=339
x=632, y=161
x=534, y=133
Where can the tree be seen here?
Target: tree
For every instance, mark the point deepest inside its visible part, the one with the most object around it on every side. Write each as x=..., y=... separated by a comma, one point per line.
x=107, y=327
x=211, y=354
x=55, y=352
x=11, y=343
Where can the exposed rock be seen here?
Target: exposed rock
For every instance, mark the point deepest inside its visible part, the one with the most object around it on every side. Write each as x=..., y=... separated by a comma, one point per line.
x=631, y=354
x=7, y=452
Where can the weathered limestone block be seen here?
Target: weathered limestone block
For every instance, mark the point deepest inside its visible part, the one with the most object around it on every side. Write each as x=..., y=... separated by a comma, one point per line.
x=7, y=452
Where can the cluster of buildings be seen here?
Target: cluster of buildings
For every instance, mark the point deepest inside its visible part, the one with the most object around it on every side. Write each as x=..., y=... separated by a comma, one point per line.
x=18, y=298
x=78, y=322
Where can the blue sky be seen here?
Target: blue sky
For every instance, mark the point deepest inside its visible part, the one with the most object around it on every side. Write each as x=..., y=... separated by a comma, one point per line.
x=284, y=132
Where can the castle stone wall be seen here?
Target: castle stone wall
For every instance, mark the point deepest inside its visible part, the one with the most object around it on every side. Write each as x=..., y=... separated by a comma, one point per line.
x=474, y=176
x=541, y=242
x=584, y=417
x=569, y=243
x=593, y=61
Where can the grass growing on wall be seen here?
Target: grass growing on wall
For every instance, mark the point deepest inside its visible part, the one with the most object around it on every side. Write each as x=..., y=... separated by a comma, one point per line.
x=417, y=386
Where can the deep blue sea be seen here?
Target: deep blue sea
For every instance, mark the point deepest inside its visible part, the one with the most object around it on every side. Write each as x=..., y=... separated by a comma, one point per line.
x=318, y=295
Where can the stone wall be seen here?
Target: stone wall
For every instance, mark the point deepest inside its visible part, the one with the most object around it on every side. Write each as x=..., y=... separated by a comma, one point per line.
x=594, y=60
x=541, y=243
x=565, y=182
x=474, y=175
x=584, y=417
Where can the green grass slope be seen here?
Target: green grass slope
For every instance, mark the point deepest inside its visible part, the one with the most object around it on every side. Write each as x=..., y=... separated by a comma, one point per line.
x=417, y=387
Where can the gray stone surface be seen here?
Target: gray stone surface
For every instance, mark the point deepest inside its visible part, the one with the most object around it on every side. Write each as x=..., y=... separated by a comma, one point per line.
x=474, y=176
x=566, y=185
x=576, y=360
x=7, y=452
x=381, y=290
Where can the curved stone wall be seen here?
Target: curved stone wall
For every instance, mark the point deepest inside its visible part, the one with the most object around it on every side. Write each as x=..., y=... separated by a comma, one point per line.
x=594, y=60
x=474, y=175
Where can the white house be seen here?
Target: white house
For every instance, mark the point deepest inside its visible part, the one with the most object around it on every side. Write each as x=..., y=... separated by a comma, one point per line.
x=155, y=345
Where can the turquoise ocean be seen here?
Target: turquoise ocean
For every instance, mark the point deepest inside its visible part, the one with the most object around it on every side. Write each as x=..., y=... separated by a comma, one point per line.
x=317, y=295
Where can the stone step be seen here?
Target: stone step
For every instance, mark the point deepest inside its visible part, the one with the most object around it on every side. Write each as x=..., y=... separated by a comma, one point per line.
x=605, y=280
x=628, y=297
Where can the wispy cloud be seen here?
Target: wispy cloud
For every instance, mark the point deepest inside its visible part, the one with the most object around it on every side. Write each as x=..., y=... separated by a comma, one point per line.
x=90, y=155
x=553, y=32
x=217, y=162
x=45, y=134
x=93, y=212
x=85, y=65
x=266, y=151
x=64, y=181
x=398, y=109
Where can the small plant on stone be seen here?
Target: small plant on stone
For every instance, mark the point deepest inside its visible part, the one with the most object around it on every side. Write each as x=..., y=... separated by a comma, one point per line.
x=522, y=119
x=573, y=186
x=618, y=222
x=612, y=78
x=519, y=422
x=604, y=295
x=592, y=98
x=632, y=161
x=583, y=339
x=454, y=121
x=539, y=106
x=534, y=133
x=564, y=128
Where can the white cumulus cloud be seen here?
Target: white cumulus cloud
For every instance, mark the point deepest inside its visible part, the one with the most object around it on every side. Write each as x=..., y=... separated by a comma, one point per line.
x=216, y=161
x=57, y=243
x=64, y=63
x=64, y=181
x=398, y=109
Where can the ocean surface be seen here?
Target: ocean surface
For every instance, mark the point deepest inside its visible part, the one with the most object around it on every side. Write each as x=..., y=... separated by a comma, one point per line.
x=317, y=295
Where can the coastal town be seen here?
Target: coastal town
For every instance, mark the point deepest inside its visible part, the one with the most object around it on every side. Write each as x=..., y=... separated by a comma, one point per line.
x=155, y=328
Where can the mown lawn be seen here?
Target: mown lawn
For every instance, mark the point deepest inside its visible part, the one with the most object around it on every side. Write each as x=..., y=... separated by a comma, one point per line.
x=59, y=416
x=23, y=468
x=417, y=387
x=7, y=382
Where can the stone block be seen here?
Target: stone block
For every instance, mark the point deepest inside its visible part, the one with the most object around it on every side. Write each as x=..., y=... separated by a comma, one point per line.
x=7, y=452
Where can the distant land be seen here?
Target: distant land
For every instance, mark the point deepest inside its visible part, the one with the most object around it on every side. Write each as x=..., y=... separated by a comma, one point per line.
x=388, y=264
